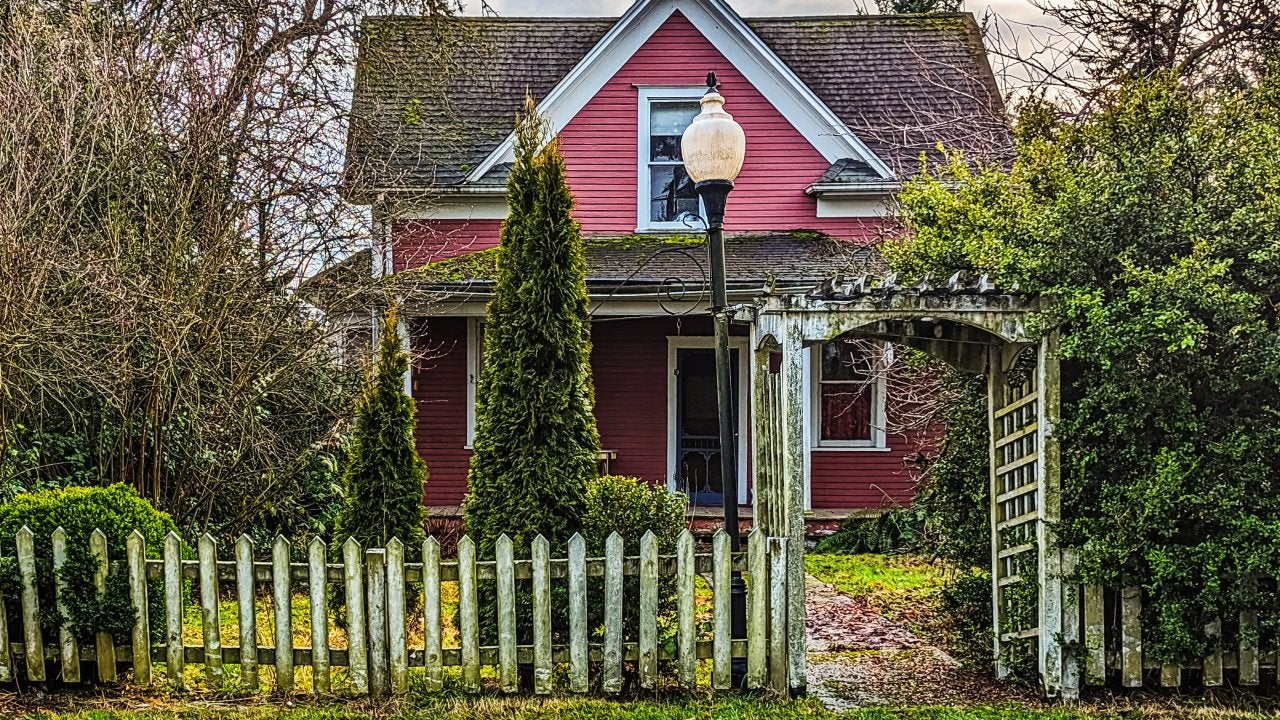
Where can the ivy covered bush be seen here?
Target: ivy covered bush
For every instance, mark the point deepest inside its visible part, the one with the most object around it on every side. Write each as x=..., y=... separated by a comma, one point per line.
x=631, y=507
x=117, y=510
x=1153, y=223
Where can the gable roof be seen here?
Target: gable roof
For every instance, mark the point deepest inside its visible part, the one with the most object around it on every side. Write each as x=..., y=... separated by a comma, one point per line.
x=901, y=84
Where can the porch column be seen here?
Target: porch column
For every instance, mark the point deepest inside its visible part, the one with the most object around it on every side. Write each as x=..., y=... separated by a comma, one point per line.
x=792, y=437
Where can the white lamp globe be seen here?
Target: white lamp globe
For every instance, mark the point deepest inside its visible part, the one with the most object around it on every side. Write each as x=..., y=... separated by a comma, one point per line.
x=714, y=145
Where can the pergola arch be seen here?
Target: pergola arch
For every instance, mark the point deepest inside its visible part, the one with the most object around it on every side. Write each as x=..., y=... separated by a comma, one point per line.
x=977, y=329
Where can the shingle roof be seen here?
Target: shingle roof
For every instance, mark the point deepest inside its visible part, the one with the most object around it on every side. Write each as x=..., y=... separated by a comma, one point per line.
x=642, y=263
x=902, y=83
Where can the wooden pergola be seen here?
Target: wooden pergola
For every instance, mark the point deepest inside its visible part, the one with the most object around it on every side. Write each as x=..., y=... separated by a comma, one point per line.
x=975, y=328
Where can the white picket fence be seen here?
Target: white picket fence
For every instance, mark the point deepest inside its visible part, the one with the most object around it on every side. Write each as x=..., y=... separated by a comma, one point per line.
x=375, y=582
x=1113, y=641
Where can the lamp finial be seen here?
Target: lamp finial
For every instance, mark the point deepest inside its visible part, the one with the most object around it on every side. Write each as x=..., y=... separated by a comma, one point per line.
x=712, y=81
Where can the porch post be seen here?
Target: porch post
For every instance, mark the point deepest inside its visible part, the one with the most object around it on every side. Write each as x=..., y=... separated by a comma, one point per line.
x=792, y=438
x=1058, y=600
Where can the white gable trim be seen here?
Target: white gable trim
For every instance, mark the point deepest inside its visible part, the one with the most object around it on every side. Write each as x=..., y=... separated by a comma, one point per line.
x=743, y=49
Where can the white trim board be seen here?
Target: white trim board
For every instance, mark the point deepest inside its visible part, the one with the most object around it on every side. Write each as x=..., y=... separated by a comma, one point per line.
x=704, y=342
x=741, y=47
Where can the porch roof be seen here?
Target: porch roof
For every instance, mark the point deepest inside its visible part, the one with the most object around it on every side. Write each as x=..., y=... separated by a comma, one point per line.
x=640, y=263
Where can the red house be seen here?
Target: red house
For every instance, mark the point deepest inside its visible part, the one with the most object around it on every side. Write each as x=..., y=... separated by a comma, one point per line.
x=837, y=111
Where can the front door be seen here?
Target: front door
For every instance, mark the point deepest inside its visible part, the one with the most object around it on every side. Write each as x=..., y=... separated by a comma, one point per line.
x=698, y=425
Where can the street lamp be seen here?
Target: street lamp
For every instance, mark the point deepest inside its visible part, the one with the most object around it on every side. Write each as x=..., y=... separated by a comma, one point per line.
x=713, y=147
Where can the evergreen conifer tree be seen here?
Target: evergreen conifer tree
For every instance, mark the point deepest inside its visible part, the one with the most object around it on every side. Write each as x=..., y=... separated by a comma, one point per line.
x=536, y=444
x=385, y=475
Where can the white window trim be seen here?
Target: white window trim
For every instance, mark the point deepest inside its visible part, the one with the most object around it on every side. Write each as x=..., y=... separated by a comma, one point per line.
x=680, y=342
x=473, y=376
x=647, y=96
x=877, y=443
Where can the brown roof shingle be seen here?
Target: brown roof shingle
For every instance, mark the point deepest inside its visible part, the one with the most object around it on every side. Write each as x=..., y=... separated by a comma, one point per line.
x=902, y=83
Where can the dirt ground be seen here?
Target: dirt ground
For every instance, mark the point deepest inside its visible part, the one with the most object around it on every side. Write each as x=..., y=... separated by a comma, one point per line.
x=858, y=658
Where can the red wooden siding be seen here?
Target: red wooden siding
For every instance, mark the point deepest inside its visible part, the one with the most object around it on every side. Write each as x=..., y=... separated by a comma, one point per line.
x=418, y=242
x=863, y=478
x=629, y=364
x=440, y=392
x=780, y=163
x=629, y=367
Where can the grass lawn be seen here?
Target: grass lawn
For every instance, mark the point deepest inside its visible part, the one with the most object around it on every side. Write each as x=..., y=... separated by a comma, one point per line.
x=895, y=585
x=562, y=708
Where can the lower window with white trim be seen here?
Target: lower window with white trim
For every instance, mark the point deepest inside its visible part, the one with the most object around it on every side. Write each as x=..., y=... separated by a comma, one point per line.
x=848, y=395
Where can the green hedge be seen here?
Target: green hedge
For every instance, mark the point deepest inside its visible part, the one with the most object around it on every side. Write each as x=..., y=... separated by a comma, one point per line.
x=117, y=510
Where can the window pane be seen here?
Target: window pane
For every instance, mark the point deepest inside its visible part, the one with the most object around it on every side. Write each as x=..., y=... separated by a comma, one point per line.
x=667, y=122
x=846, y=411
x=670, y=193
x=846, y=361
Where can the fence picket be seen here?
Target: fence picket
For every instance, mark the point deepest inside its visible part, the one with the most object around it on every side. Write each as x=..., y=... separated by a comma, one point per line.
x=648, y=665
x=757, y=608
x=375, y=561
x=1131, y=636
x=468, y=621
x=70, y=649
x=317, y=582
x=541, y=616
x=136, y=551
x=722, y=659
x=282, y=600
x=357, y=649
x=32, y=638
x=578, y=675
x=686, y=640
x=1248, y=652
x=778, y=615
x=397, y=647
x=1213, y=661
x=208, y=553
x=1095, y=639
x=1170, y=675
x=246, y=612
x=431, y=614
x=612, y=681
x=6, y=658
x=503, y=553
x=106, y=645
x=173, y=657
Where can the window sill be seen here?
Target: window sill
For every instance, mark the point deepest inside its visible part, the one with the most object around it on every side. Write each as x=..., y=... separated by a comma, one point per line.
x=849, y=448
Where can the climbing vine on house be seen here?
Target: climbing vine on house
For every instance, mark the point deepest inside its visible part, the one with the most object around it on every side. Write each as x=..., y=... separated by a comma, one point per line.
x=1154, y=222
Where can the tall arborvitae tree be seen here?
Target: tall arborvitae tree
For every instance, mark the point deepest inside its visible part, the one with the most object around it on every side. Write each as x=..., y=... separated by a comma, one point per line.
x=385, y=475
x=536, y=444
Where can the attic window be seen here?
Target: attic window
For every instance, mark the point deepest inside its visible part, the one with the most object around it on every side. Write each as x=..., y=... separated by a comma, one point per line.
x=665, y=191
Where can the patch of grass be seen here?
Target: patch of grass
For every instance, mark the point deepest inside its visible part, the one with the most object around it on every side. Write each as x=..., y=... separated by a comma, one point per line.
x=877, y=576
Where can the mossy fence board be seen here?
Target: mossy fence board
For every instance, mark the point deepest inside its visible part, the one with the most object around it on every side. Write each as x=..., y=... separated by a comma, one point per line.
x=377, y=584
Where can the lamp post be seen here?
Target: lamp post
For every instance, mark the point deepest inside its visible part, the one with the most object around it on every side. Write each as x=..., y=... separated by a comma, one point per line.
x=713, y=148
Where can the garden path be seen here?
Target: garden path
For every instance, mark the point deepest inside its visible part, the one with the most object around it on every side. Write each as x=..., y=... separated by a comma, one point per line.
x=858, y=658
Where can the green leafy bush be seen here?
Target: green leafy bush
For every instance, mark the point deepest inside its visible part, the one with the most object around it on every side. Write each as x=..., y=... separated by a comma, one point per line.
x=631, y=507
x=1152, y=221
x=894, y=531
x=117, y=510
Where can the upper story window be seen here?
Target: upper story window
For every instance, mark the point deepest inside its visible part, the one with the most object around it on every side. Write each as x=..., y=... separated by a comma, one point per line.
x=665, y=190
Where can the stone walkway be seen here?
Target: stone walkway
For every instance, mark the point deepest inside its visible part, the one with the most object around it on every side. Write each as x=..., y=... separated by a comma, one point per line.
x=859, y=658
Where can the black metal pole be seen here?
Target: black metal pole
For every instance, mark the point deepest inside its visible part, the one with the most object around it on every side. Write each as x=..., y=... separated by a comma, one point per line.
x=714, y=193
